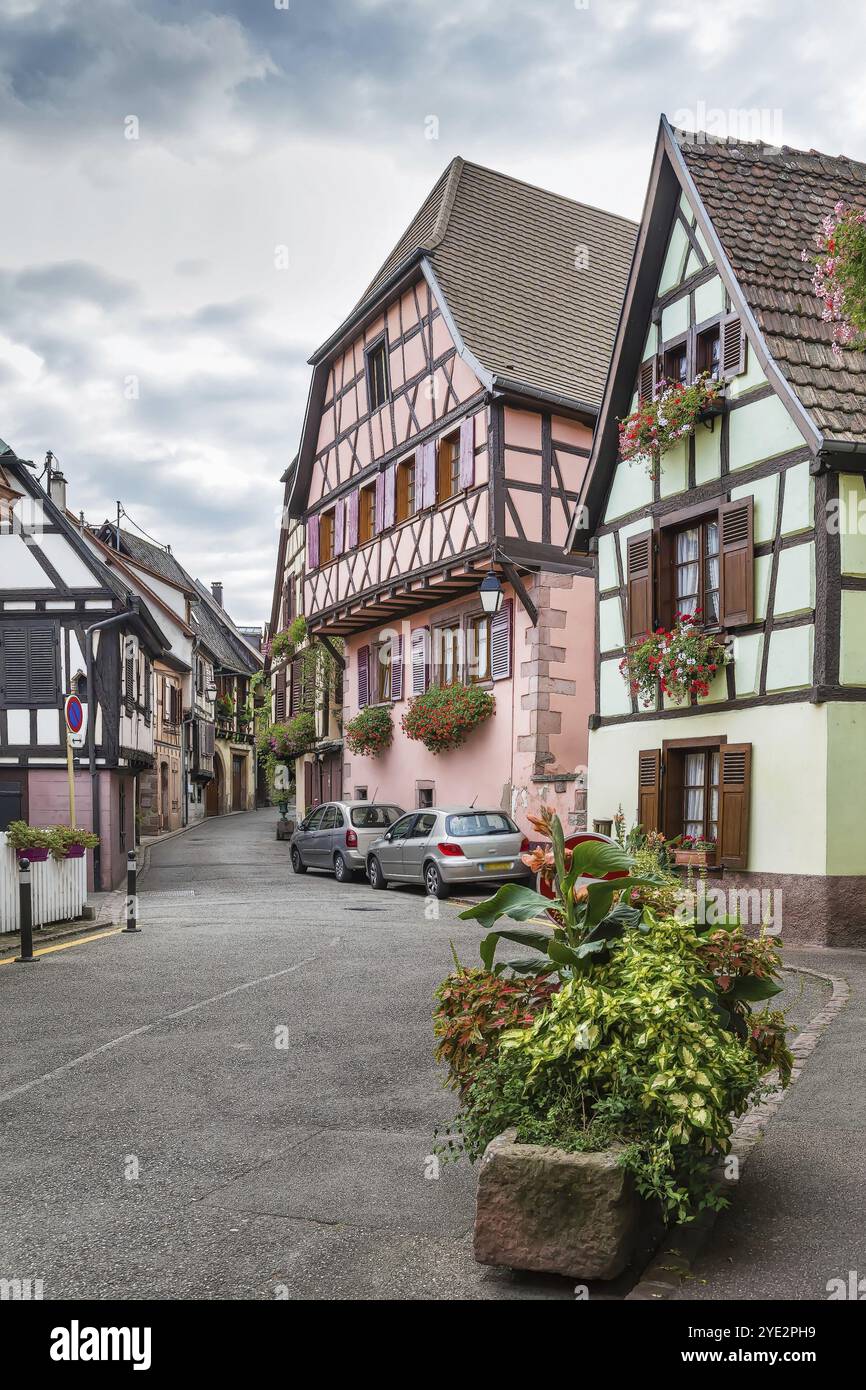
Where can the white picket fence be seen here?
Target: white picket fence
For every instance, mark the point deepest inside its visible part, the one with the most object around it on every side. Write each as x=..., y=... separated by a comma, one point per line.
x=59, y=889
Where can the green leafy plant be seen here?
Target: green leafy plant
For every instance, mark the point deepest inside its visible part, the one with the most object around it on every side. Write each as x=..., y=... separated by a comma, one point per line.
x=371, y=731
x=444, y=715
x=289, y=740
x=681, y=661
x=66, y=837
x=473, y=1010
x=657, y=425
x=20, y=835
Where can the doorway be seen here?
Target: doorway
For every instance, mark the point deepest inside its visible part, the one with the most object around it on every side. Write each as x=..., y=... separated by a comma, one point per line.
x=239, y=766
x=214, y=791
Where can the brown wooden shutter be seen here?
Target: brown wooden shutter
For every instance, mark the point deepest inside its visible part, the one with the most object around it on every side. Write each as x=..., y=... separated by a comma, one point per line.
x=280, y=696
x=296, y=692
x=737, y=562
x=363, y=677
x=666, y=577
x=735, y=776
x=639, y=552
x=647, y=379
x=732, y=347
x=649, y=781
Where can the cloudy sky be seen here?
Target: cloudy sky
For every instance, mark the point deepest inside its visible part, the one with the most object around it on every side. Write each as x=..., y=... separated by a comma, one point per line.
x=195, y=194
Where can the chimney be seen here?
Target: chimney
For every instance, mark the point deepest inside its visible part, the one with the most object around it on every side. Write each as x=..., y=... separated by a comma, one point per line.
x=216, y=589
x=57, y=490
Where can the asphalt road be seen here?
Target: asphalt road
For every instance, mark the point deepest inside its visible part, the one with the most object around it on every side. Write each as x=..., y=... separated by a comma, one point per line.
x=240, y=1102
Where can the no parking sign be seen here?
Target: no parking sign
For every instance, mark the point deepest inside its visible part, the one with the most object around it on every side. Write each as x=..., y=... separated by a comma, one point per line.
x=76, y=721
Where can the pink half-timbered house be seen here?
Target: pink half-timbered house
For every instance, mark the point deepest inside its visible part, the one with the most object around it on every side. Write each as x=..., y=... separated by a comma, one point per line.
x=447, y=433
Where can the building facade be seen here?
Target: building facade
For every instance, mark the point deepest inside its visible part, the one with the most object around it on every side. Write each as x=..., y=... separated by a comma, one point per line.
x=742, y=523
x=446, y=438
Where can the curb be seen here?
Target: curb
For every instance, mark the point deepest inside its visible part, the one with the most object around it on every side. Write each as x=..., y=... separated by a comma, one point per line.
x=672, y=1264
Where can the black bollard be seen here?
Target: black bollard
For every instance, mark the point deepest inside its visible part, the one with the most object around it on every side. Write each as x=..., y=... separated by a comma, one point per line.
x=25, y=900
x=131, y=899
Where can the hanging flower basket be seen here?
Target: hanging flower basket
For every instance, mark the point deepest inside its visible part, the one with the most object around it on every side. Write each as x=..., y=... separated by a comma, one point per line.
x=444, y=716
x=657, y=425
x=371, y=731
x=36, y=854
x=839, y=275
x=681, y=661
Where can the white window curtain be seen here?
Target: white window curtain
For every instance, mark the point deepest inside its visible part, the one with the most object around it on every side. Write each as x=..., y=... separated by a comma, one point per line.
x=694, y=808
x=688, y=560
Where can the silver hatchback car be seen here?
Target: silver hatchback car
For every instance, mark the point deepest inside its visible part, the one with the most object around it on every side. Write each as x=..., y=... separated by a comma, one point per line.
x=337, y=836
x=441, y=848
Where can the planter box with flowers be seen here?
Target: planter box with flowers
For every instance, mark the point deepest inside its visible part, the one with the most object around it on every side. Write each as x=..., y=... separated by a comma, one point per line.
x=694, y=853
x=680, y=661
x=673, y=413
x=444, y=716
x=36, y=843
x=371, y=731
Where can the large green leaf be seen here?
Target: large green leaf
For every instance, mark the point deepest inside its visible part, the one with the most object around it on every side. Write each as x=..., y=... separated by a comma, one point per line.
x=527, y=965
x=538, y=940
x=615, y=923
x=512, y=900
x=751, y=989
x=595, y=858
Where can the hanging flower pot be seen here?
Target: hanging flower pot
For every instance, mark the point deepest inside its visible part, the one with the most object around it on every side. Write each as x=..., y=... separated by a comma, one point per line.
x=839, y=275
x=444, y=716
x=36, y=854
x=680, y=662
x=657, y=425
x=75, y=852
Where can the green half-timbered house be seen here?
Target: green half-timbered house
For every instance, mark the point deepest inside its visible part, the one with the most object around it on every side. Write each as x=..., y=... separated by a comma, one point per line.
x=759, y=519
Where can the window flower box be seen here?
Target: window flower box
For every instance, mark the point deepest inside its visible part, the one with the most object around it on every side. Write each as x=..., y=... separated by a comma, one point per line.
x=36, y=854
x=698, y=854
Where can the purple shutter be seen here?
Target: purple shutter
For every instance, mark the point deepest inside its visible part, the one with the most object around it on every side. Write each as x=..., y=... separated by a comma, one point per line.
x=380, y=502
x=397, y=668
x=467, y=452
x=427, y=475
x=390, y=488
x=339, y=526
x=500, y=643
x=420, y=663
x=363, y=677
x=352, y=520
x=313, y=541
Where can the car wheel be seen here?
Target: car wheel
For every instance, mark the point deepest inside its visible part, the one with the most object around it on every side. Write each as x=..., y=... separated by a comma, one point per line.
x=342, y=872
x=297, y=862
x=433, y=882
x=375, y=875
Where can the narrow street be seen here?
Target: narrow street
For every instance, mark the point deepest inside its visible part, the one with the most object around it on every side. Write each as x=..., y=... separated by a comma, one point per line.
x=262, y=1170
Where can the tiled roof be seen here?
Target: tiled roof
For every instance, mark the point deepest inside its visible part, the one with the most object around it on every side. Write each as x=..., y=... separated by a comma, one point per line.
x=505, y=254
x=154, y=556
x=766, y=204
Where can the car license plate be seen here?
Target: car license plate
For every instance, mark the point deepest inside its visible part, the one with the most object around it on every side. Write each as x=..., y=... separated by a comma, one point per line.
x=498, y=865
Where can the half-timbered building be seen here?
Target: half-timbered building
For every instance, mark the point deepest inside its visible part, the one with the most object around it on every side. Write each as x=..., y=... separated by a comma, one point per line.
x=70, y=625
x=446, y=435
x=750, y=521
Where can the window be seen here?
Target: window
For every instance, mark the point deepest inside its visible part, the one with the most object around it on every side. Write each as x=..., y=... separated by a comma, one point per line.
x=401, y=829
x=367, y=514
x=478, y=647
x=700, y=804
x=423, y=827
x=405, y=489
x=29, y=672
x=377, y=374
x=708, y=353
x=676, y=362
x=360, y=795
x=448, y=467
x=446, y=658
x=699, y=788
x=373, y=817
x=326, y=537
x=479, y=823
x=696, y=570
x=425, y=796
x=381, y=671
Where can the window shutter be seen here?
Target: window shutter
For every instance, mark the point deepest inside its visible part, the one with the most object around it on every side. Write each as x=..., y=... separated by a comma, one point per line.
x=397, y=668
x=467, y=452
x=295, y=694
x=420, y=643
x=736, y=553
x=390, y=483
x=147, y=689
x=639, y=556
x=427, y=475
x=128, y=681
x=649, y=779
x=380, y=503
x=735, y=775
x=339, y=526
x=363, y=677
x=280, y=696
x=352, y=520
x=500, y=643
x=647, y=379
x=16, y=666
x=313, y=541
x=732, y=347
x=666, y=599
x=44, y=647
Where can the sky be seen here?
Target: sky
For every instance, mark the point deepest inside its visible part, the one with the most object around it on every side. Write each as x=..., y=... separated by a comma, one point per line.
x=196, y=194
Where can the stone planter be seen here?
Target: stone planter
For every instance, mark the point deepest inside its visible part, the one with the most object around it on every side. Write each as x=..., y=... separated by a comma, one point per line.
x=540, y=1208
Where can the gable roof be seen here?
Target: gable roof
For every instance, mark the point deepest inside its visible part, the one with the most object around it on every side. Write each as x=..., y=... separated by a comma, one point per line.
x=151, y=556
x=504, y=253
x=766, y=205
x=757, y=207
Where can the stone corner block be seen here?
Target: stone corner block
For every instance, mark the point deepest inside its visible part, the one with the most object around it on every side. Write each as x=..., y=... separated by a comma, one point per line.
x=542, y=1209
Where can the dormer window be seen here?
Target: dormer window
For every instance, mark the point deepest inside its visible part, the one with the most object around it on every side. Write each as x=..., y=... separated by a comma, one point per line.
x=377, y=374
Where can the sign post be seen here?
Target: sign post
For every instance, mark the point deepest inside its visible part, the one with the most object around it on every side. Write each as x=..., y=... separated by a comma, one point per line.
x=76, y=732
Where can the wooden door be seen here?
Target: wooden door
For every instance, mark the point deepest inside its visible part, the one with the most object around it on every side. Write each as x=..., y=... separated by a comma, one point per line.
x=213, y=791
x=239, y=799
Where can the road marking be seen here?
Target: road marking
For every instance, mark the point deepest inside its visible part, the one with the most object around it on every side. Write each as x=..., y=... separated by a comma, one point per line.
x=147, y=1027
x=65, y=945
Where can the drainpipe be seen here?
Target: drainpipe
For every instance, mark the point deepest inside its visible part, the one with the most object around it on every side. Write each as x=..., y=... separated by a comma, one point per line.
x=92, y=707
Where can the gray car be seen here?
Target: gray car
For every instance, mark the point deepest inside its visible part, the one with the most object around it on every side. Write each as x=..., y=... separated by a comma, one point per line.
x=441, y=848
x=337, y=836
